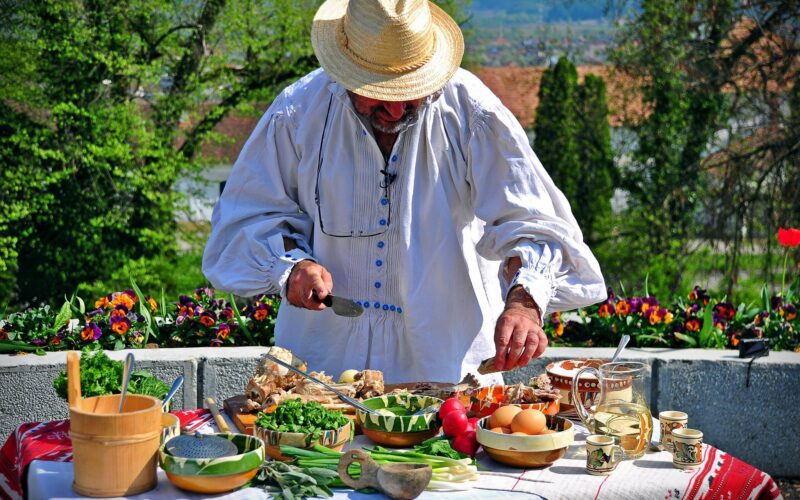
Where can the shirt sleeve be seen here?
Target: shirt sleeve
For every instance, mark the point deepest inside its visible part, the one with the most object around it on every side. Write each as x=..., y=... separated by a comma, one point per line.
x=526, y=215
x=258, y=207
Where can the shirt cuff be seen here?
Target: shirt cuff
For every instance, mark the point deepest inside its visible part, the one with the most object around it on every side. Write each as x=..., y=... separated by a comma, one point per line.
x=539, y=286
x=284, y=265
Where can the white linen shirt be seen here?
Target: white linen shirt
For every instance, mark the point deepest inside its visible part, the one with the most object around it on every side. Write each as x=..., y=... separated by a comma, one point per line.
x=425, y=252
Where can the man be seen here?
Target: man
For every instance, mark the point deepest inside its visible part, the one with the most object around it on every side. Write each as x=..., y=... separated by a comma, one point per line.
x=392, y=177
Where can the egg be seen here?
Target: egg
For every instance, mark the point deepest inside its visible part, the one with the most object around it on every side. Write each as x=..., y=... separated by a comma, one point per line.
x=529, y=421
x=548, y=431
x=502, y=416
x=501, y=430
x=519, y=434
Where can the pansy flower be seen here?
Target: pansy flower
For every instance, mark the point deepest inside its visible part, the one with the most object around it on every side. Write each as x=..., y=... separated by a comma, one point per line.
x=734, y=339
x=605, y=310
x=789, y=312
x=215, y=342
x=103, y=303
x=199, y=293
x=559, y=329
x=623, y=307
x=123, y=299
x=692, y=325
x=226, y=313
x=120, y=326
x=699, y=294
x=38, y=342
x=223, y=331
x=3, y=334
x=91, y=332
x=152, y=303
x=208, y=318
x=725, y=310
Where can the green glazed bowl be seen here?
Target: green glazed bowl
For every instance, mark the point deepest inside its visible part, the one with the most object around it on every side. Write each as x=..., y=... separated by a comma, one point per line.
x=251, y=455
x=403, y=405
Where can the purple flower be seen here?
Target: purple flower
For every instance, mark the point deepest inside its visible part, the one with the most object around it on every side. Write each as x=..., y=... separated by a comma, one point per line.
x=38, y=342
x=179, y=320
x=95, y=313
x=185, y=300
x=91, y=332
x=776, y=302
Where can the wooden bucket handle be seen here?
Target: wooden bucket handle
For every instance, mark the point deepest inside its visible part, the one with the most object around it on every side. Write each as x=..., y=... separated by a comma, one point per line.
x=73, y=378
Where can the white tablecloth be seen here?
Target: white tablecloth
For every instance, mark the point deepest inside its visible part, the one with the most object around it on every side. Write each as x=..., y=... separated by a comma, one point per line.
x=651, y=476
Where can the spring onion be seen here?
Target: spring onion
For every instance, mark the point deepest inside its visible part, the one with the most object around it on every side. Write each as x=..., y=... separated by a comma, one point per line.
x=448, y=473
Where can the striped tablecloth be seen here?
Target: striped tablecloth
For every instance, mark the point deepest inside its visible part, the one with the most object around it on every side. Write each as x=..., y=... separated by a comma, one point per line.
x=652, y=476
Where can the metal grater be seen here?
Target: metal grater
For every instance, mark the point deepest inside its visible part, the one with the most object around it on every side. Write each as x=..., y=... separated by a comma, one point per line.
x=200, y=446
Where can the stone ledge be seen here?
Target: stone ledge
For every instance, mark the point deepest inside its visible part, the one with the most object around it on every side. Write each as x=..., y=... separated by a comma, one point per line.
x=757, y=424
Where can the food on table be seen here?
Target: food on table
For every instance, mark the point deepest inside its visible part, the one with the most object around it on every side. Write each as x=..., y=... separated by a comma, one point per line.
x=347, y=376
x=450, y=405
x=538, y=392
x=302, y=417
x=502, y=416
x=455, y=424
x=501, y=430
x=439, y=446
x=466, y=443
x=273, y=384
x=529, y=421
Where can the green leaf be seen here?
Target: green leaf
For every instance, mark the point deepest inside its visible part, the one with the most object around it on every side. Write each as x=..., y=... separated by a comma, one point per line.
x=686, y=338
x=708, y=325
x=63, y=317
x=11, y=346
x=647, y=285
x=240, y=320
x=765, y=298
x=150, y=326
x=119, y=345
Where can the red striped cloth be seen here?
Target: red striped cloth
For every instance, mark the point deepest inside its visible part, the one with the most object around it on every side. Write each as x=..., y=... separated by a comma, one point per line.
x=50, y=441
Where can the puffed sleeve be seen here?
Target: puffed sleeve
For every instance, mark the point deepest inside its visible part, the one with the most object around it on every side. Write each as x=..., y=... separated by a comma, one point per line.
x=245, y=252
x=527, y=216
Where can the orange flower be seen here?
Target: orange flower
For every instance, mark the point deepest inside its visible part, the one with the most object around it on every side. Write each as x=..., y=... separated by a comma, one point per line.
x=693, y=325
x=623, y=308
x=668, y=317
x=207, y=320
x=55, y=341
x=152, y=303
x=605, y=310
x=3, y=334
x=645, y=307
x=260, y=315
x=655, y=317
x=120, y=327
x=102, y=303
x=560, y=329
x=123, y=299
x=735, y=339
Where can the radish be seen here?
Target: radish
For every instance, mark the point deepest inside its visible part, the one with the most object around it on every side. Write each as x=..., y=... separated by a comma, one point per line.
x=455, y=424
x=452, y=404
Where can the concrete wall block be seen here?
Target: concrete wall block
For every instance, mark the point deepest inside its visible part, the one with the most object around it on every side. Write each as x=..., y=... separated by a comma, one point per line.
x=224, y=373
x=757, y=424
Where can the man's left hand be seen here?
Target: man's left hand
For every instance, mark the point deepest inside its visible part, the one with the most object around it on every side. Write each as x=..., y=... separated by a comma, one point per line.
x=518, y=336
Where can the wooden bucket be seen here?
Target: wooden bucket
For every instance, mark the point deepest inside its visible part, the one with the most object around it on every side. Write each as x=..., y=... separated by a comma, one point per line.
x=114, y=454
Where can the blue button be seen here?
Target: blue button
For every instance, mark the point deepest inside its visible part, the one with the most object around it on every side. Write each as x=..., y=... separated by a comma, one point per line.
x=358, y=302
x=288, y=255
x=379, y=263
x=366, y=305
x=394, y=157
x=392, y=307
x=382, y=222
x=364, y=132
x=381, y=244
x=377, y=284
x=384, y=201
x=377, y=305
x=385, y=307
x=399, y=309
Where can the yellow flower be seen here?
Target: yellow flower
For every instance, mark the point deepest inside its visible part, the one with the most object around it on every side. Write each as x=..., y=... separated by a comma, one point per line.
x=123, y=299
x=102, y=303
x=668, y=317
x=560, y=330
x=153, y=305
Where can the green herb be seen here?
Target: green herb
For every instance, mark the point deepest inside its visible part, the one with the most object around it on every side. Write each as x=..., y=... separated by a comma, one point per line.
x=295, y=415
x=287, y=481
x=439, y=446
x=448, y=473
x=101, y=375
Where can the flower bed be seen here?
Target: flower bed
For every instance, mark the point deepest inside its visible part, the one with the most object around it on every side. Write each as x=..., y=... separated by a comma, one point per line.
x=128, y=319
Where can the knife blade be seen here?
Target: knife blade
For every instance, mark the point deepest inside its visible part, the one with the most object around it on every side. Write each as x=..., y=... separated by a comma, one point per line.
x=347, y=399
x=342, y=306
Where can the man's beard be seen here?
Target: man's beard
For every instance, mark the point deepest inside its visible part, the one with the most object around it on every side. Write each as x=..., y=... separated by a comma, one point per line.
x=408, y=119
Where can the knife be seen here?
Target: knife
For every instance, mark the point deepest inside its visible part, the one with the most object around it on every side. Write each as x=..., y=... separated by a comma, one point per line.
x=341, y=306
x=347, y=399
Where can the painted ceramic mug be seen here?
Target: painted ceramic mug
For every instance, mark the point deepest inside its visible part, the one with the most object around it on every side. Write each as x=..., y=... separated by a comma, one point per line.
x=669, y=421
x=602, y=455
x=170, y=427
x=688, y=448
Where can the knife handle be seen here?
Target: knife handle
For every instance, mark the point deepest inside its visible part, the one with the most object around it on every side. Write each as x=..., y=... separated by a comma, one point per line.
x=328, y=300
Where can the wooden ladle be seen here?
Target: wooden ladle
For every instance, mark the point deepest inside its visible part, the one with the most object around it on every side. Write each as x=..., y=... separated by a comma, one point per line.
x=399, y=480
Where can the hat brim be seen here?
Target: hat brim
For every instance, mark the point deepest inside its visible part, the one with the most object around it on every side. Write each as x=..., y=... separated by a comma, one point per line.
x=418, y=83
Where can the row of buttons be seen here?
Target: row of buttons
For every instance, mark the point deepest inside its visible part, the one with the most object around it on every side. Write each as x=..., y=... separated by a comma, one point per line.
x=377, y=305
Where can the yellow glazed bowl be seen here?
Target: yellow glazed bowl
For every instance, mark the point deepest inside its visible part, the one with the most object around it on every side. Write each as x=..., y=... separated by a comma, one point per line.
x=273, y=440
x=527, y=451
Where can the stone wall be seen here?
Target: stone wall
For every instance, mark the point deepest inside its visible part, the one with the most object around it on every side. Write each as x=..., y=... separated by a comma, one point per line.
x=757, y=424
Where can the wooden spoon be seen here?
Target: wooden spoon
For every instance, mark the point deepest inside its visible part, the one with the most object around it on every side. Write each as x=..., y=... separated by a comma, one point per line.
x=399, y=480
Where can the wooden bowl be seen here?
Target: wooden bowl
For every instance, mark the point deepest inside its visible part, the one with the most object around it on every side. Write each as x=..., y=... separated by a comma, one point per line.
x=527, y=451
x=217, y=475
x=273, y=440
x=401, y=428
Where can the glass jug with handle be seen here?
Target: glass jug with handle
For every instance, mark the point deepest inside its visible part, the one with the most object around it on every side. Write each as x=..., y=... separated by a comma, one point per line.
x=621, y=410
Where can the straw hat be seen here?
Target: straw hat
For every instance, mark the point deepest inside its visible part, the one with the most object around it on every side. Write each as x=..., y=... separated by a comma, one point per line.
x=392, y=50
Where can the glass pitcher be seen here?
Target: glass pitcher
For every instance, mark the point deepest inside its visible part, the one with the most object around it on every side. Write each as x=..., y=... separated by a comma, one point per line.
x=621, y=410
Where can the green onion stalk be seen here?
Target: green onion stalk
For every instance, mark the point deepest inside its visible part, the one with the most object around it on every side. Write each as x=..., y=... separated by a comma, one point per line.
x=448, y=473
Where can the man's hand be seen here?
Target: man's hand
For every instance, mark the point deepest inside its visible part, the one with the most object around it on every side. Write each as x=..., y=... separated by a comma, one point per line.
x=308, y=284
x=518, y=335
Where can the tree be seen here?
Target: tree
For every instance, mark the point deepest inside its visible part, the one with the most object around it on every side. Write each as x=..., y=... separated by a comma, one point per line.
x=573, y=141
x=716, y=152
x=105, y=105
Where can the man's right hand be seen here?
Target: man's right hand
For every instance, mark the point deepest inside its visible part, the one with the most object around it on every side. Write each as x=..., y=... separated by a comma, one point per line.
x=308, y=284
